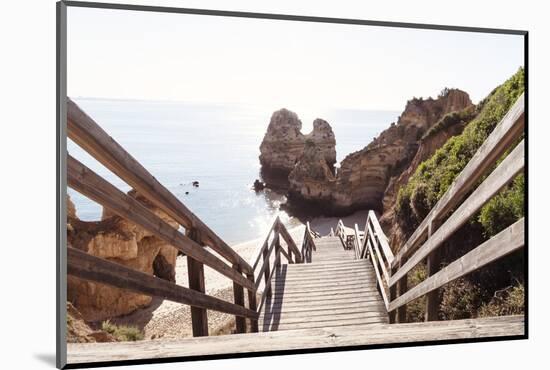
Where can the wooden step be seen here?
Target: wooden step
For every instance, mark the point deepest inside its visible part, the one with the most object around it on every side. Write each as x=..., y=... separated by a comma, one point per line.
x=323, y=275
x=364, y=304
x=330, y=294
x=321, y=286
x=364, y=301
x=331, y=316
x=311, y=324
x=325, y=310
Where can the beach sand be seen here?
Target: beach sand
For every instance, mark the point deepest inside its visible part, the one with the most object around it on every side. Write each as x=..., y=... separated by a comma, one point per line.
x=166, y=319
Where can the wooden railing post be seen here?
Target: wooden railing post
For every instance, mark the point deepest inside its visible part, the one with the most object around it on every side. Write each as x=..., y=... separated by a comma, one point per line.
x=252, y=304
x=195, y=273
x=265, y=256
x=277, y=250
x=238, y=295
x=393, y=295
x=432, y=266
x=402, y=289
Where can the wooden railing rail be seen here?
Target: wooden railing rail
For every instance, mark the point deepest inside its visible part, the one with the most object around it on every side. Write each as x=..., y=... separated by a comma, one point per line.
x=84, y=131
x=502, y=137
x=438, y=226
x=374, y=245
x=500, y=245
x=86, y=266
x=262, y=266
x=308, y=244
x=341, y=232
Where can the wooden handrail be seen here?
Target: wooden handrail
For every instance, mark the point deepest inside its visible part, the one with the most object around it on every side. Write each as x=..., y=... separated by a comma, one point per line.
x=507, y=241
x=511, y=166
x=435, y=230
x=84, y=131
x=357, y=242
x=88, y=183
x=263, y=255
x=86, y=266
x=308, y=244
x=504, y=135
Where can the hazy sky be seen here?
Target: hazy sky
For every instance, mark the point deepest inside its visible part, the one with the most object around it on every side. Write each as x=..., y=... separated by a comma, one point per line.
x=155, y=56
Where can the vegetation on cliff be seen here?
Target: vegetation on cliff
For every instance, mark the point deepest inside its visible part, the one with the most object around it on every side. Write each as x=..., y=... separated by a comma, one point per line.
x=469, y=297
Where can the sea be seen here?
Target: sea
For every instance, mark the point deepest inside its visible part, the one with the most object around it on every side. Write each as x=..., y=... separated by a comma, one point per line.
x=216, y=145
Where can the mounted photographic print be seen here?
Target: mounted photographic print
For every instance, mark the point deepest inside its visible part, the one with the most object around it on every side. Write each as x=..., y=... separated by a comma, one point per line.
x=236, y=184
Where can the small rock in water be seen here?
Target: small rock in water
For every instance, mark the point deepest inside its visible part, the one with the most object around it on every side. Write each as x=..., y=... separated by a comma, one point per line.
x=258, y=185
x=186, y=192
x=195, y=184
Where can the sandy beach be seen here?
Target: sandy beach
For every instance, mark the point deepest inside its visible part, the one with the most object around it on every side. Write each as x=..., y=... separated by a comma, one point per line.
x=166, y=319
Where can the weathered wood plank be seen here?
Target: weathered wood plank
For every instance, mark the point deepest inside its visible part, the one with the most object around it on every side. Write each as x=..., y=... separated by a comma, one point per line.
x=319, y=286
x=195, y=275
x=505, y=242
x=324, y=277
x=379, y=278
x=367, y=302
x=88, y=183
x=238, y=299
x=85, y=132
x=383, y=240
x=325, y=312
x=357, y=242
x=329, y=318
x=332, y=323
x=298, y=339
x=267, y=288
x=289, y=241
x=504, y=134
x=331, y=294
x=502, y=175
x=381, y=263
x=252, y=305
x=85, y=266
x=265, y=266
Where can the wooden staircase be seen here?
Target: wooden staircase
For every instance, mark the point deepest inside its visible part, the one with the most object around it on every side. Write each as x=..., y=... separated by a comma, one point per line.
x=317, y=295
x=334, y=289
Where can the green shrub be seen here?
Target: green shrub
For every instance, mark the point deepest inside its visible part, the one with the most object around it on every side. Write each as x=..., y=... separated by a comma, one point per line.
x=460, y=300
x=510, y=301
x=505, y=208
x=416, y=309
x=471, y=295
x=435, y=175
x=122, y=333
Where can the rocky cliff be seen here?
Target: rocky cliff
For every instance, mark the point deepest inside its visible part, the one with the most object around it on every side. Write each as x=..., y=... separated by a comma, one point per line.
x=123, y=242
x=283, y=146
x=364, y=176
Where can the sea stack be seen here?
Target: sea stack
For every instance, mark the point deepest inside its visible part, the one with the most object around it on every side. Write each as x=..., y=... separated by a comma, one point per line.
x=363, y=176
x=283, y=146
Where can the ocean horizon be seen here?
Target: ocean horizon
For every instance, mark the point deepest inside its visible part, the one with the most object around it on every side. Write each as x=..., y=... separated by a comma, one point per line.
x=216, y=145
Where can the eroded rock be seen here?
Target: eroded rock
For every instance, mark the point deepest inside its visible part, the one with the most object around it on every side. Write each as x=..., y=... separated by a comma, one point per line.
x=283, y=146
x=363, y=177
x=118, y=240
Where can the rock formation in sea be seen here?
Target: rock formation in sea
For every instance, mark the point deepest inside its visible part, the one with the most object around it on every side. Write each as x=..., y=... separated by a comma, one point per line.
x=363, y=176
x=311, y=180
x=283, y=146
x=118, y=240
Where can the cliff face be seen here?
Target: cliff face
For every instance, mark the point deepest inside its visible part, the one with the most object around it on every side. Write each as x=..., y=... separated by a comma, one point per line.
x=451, y=125
x=363, y=176
x=283, y=146
x=123, y=242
